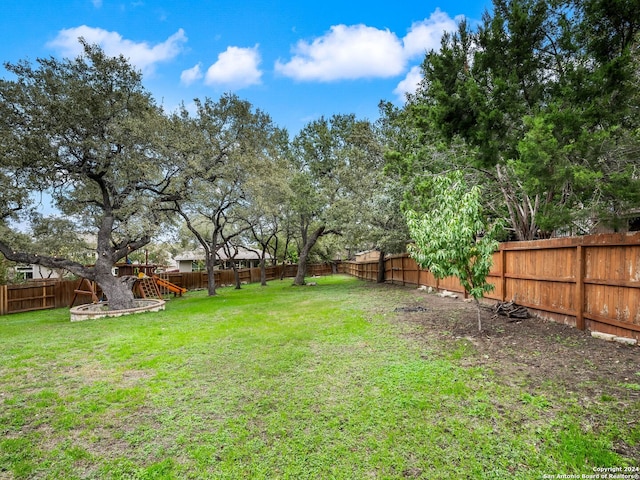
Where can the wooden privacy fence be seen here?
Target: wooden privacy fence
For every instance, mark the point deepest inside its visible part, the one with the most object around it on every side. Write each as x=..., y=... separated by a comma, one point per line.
x=23, y=298
x=198, y=280
x=590, y=282
x=40, y=295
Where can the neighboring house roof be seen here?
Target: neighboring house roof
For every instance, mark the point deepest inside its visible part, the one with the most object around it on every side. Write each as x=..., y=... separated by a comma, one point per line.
x=243, y=253
x=189, y=255
x=367, y=255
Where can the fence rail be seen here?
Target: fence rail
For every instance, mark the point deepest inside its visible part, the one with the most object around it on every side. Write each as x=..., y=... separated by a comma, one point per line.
x=41, y=295
x=590, y=282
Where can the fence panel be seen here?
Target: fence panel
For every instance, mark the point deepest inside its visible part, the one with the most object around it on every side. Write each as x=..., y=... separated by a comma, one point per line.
x=319, y=269
x=64, y=292
x=589, y=282
x=542, y=276
x=395, y=271
x=34, y=296
x=612, y=288
x=410, y=269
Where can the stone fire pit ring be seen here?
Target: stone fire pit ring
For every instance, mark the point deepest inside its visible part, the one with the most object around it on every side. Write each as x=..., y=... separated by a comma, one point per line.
x=92, y=311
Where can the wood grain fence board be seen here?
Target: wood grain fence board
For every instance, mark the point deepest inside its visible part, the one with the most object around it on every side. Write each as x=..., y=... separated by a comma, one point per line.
x=452, y=284
x=411, y=270
x=613, y=323
x=34, y=296
x=496, y=281
x=541, y=278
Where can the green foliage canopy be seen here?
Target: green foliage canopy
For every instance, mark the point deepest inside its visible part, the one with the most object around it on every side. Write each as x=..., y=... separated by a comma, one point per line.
x=544, y=96
x=86, y=132
x=335, y=164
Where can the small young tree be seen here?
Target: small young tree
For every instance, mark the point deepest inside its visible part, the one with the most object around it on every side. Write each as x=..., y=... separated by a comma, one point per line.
x=452, y=237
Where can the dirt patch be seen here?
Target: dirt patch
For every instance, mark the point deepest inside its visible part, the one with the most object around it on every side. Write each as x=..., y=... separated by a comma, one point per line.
x=532, y=349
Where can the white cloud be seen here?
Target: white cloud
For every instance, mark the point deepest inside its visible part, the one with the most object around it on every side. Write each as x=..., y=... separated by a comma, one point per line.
x=236, y=67
x=97, y=3
x=346, y=52
x=425, y=35
x=140, y=54
x=422, y=37
x=410, y=83
x=360, y=51
x=187, y=77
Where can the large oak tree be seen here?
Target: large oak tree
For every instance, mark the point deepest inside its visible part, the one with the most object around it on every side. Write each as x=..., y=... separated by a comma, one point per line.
x=220, y=151
x=86, y=132
x=335, y=163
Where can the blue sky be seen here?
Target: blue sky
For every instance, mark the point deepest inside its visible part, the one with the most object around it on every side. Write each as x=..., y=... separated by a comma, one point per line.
x=295, y=60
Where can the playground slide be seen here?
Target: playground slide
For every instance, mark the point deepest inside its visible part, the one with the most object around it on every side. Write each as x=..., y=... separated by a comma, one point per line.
x=172, y=287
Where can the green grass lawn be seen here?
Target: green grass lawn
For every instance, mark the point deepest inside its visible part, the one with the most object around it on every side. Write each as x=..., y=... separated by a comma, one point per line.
x=275, y=382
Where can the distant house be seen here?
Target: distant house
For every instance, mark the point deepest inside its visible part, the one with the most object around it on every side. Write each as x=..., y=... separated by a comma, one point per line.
x=35, y=272
x=368, y=256
x=623, y=224
x=243, y=258
x=191, y=261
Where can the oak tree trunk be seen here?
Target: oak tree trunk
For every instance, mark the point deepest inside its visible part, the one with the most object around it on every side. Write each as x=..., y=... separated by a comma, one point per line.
x=381, y=272
x=304, y=254
x=236, y=275
x=118, y=290
x=210, y=261
x=263, y=271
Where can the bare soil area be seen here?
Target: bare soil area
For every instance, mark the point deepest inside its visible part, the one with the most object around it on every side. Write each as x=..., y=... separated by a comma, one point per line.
x=535, y=348
x=532, y=353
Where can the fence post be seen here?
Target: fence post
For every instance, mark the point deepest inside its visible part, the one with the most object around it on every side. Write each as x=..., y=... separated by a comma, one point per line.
x=3, y=300
x=503, y=272
x=579, y=295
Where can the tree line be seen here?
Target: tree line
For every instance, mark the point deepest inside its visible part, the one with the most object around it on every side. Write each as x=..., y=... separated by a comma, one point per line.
x=539, y=105
x=536, y=107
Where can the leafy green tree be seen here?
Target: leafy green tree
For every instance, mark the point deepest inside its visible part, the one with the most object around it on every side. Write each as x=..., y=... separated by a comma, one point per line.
x=452, y=237
x=19, y=241
x=58, y=237
x=606, y=95
x=218, y=153
x=267, y=213
x=541, y=94
x=334, y=160
x=156, y=253
x=5, y=267
x=86, y=132
x=386, y=228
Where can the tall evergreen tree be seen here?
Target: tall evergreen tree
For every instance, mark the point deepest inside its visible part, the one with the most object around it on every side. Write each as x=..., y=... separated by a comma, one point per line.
x=542, y=92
